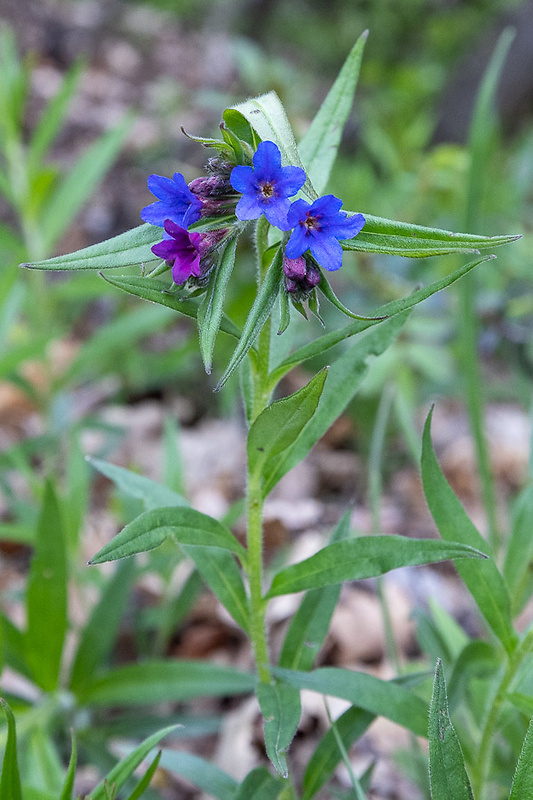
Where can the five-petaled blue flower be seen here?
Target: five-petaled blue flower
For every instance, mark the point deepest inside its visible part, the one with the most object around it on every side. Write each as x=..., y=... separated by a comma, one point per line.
x=267, y=186
x=318, y=227
x=176, y=202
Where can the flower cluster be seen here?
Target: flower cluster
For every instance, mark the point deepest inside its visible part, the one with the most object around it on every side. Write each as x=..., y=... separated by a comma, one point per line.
x=265, y=188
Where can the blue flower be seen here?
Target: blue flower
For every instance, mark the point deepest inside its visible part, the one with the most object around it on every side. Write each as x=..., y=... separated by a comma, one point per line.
x=176, y=202
x=318, y=227
x=267, y=186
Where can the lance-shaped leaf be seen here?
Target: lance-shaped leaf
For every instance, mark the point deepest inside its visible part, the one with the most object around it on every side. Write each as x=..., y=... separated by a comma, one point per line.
x=344, y=379
x=202, y=773
x=318, y=148
x=184, y=525
x=127, y=766
x=281, y=710
x=259, y=313
x=47, y=595
x=211, y=308
x=523, y=778
x=266, y=116
x=390, y=227
x=416, y=247
x=309, y=626
x=154, y=495
x=279, y=425
x=124, y=250
x=447, y=773
x=364, y=557
x=517, y=569
x=383, y=698
x=165, y=681
x=146, y=778
x=219, y=570
x=68, y=786
x=328, y=340
x=151, y=289
x=10, y=778
x=483, y=579
x=259, y=784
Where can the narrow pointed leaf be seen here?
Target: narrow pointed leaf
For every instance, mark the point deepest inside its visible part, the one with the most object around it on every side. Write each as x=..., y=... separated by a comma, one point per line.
x=100, y=632
x=519, y=555
x=328, y=340
x=211, y=309
x=47, y=595
x=184, y=525
x=483, y=579
x=266, y=115
x=80, y=181
x=222, y=575
x=344, y=379
x=389, y=227
x=259, y=784
x=202, y=773
x=379, y=697
x=126, y=249
x=258, y=315
x=154, y=495
x=330, y=295
x=146, y=778
x=68, y=786
x=318, y=148
x=364, y=557
x=153, y=290
x=127, y=766
x=281, y=710
x=447, y=773
x=522, y=787
x=310, y=624
x=280, y=424
x=414, y=247
x=159, y=681
x=10, y=778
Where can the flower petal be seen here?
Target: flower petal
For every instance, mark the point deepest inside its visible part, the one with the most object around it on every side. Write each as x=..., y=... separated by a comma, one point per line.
x=297, y=212
x=347, y=227
x=298, y=243
x=248, y=207
x=267, y=161
x=276, y=213
x=327, y=251
x=242, y=178
x=290, y=181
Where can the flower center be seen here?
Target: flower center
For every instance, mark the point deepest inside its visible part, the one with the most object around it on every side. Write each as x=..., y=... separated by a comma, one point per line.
x=310, y=223
x=267, y=190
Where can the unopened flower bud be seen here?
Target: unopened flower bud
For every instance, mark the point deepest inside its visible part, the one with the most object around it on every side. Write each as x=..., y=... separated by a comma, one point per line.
x=301, y=277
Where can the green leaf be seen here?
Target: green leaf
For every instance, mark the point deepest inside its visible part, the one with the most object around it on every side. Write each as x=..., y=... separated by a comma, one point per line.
x=266, y=115
x=52, y=118
x=47, y=595
x=389, y=227
x=99, y=634
x=281, y=710
x=202, y=773
x=68, y=786
x=153, y=290
x=318, y=148
x=328, y=340
x=146, y=778
x=522, y=787
x=259, y=784
x=344, y=379
x=414, y=247
x=154, y=495
x=447, y=773
x=350, y=726
x=364, y=557
x=164, y=681
x=211, y=309
x=222, y=575
x=483, y=579
x=125, y=250
x=516, y=569
x=10, y=779
x=280, y=424
x=476, y=660
x=127, y=766
x=379, y=697
x=523, y=702
x=183, y=524
x=259, y=313
x=13, y=647
x=80, y=182
x=309, y=626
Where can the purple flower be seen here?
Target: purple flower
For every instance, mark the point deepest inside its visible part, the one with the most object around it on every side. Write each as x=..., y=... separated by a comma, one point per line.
x=181, y=248
x=300, y=277
x=176, y=202
x=318, y=227
x=267, y=186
